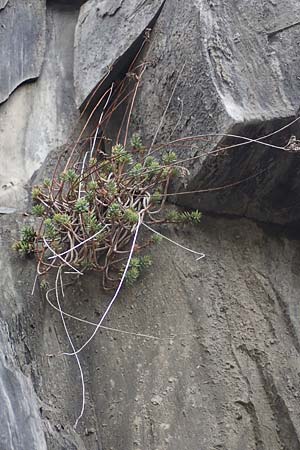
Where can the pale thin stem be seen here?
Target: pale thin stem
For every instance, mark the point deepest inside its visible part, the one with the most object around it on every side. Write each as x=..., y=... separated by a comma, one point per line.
x=58, y=275
x=249, y=140
x=179, y=119
x=78, y=245
x=200, y=255
x=116, y=293
x=34, y=284
x=82, y=170
x=59, y=256
x=116, y=330
x=132, y=104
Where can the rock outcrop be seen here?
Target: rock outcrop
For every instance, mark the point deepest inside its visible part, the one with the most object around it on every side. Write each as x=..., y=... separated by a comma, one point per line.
x=3, y=3
x=198, y=354
x=105, y=34
x=235, y=67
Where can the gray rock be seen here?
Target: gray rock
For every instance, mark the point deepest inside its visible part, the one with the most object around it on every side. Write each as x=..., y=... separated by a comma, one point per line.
x=22, y=36
x=21, y=426
x=222, y=368
x=240, y=76
x=105, y=32
x=40, y=116
x=25, y=336
x=3, y=3
x=235, y=355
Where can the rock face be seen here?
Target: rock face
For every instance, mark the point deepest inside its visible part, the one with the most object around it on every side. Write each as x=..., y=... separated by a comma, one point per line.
x=40, y=116
x=21, y=424
x=3, y=3
x=222, y=371
x=105, y=32
x=198, y=354
x=22, y=35
x=239, y=76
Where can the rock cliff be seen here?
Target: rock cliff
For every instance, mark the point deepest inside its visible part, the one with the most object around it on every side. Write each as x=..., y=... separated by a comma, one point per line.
x=198, y=354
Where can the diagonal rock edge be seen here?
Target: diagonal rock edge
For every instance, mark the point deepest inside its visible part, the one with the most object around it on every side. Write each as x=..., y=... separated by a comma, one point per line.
x=3, y=3
x=266, y=187
x=119, y=70
x=125, y=24
x=23, y=28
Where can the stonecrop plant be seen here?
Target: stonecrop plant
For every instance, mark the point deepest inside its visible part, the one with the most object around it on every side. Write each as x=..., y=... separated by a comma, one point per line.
x=89, y=214
x=90, y=211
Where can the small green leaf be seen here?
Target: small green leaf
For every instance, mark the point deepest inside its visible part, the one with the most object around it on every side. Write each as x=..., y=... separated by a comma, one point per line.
x=82, y=205
x=38, y=210
x=136, y=142
x=131, y=216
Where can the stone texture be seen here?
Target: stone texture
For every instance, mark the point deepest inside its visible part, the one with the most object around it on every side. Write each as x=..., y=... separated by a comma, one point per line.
x=22, y=35
x=21, y=425
x=105, y=32
x=224, y=371
x=39, y=116
x=25, y=422
x=240, y=77
x=3, y=3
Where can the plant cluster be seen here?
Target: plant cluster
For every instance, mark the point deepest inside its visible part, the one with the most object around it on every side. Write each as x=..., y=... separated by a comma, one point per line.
x=26, y=245
x=136, y=266
x=90, y=211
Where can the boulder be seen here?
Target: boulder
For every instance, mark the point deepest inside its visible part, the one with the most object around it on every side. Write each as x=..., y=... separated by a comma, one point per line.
x=105, y=32
x=22, y=35
x=234, y=67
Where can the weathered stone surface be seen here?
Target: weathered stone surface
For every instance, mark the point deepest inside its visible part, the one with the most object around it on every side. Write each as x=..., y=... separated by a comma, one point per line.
x=40, y=116
x=3, y=3
x=223, y=371
x=240, y=63
x=22, y=36
x=23, y=335
x=106, y=30
x=21, y=425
